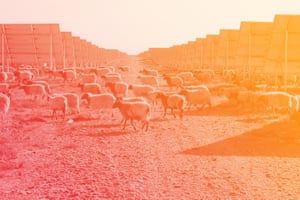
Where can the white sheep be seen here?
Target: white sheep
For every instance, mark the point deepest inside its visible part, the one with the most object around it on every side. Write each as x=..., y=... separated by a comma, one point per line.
x=231, y=92
x=247, y=98
x=23, y=76
x=148, y=80
x=93, y=88
x=119, y=89
x=87, y=78
x=124, y=68
x=140, y=111
x=73, y=102
x=99, y=102
x=152, y=72
x=54, y=74
x=35, y=90
x=141, y=90
x=172, y=101
x=102, y=71
x=4, y=104
x=133, y=99
x=278, y=101
x=197, y=96
x=5, y=89
x=186, y=76
x=10, y=76
x=3, y=77
x=57, y=103
x=69, y=74
x=173, y=81
x=112, y=68
x=42, y=82
x=111, y=77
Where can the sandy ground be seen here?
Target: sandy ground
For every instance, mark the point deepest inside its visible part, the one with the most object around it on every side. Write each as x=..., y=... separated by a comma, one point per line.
x=220, y=153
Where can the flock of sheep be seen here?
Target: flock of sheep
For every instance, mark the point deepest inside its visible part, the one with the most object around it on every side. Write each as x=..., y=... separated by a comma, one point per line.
x=104, y=89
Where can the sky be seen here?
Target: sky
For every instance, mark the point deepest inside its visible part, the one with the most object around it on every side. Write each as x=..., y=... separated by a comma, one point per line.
x=134, y=26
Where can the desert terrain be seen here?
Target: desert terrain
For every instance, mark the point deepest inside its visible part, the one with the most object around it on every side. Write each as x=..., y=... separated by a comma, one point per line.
x=220, y=153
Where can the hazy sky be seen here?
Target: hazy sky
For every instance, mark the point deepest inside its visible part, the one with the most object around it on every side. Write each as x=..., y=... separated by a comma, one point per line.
x=133, y=26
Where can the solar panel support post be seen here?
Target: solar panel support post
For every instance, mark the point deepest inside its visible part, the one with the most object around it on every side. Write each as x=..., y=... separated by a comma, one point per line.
x=2, y=39
x=212, y=56
x=51, y=52
x=249, y=56
x=285, y=59
x=226, y=56
x=64, y=53
x=201, y=56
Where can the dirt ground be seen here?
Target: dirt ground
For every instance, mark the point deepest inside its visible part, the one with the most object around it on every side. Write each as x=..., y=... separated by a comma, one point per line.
x=221, y=153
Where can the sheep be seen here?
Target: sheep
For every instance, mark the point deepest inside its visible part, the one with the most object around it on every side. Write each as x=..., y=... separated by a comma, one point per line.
x=151, y=72
x=197, y=96
x=148, y=80
x=34, y=90
x=112, y=68
x=101, y=71
x=73, y=102
x=295, y=115
x=203, y=75
x=93, y=88
x=87, y=78
x=141, y=90
x=23, y=76
x=172, y=101
x=56, y=74
x=3, y=77
x=186, y=76
x=4, y=105
x=69, y=75
x=133, y=99
x=231, y=92
x=10, y=76
x=119, y=89
x=194, y=87
x=140, y=111
x=5, y=89
x=173, y=81
x=111, y=77
x=278, y=101
x=99, y=102
x=124, y=68
x=57, y=103
x=34, y=71
x=45, y=83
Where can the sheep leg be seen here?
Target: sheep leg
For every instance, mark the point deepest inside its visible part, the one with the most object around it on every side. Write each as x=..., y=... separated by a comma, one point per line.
x=181, y=113
x=53, y=113
x=165, y=112
x=125, y=121
x=64, y=114
x=172, y=111
x=209, y=104
x=145, y=123
x=189, y=106
x=202, y=107
x=131, y=121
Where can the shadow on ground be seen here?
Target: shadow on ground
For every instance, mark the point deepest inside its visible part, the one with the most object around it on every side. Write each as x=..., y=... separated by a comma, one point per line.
x=278, y=139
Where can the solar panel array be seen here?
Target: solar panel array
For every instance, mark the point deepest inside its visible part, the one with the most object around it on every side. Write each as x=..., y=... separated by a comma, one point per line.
x=46, y=45
x=257, y=47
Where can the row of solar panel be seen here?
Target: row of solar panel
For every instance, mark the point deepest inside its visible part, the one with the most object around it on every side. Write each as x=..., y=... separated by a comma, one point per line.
x=40, y=44
x=261, y=45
